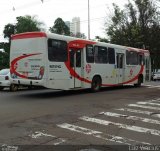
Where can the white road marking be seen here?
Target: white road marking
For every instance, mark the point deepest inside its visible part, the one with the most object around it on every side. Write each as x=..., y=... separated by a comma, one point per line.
x=6, y=147
x=99, y=134
x=135, y=111
x=60, y=141
x=143, y=106
x=119, y=125
x=40, y=134
x=147, y=85
x=155, y=100
x=147, y=120
x=78, y=129
x=156, y=86
x=148, y=103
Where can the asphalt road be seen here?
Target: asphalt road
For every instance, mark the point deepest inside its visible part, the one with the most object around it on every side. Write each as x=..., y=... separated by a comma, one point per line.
x=113, y=116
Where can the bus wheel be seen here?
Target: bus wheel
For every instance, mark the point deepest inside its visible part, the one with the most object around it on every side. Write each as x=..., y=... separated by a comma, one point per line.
x=96, y=84
x=140, y=80
x=13, y=87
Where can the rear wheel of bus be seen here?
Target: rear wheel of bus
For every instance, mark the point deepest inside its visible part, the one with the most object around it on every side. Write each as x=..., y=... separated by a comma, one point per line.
x=140, y=81
x=13, y=87
x=96, y=84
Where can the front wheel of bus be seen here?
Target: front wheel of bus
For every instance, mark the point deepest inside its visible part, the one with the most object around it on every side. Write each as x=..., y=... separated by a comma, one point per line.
x=96, y=84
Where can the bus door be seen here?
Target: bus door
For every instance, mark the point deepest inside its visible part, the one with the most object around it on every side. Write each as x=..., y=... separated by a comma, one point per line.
x=120, y=67
x=75, y=64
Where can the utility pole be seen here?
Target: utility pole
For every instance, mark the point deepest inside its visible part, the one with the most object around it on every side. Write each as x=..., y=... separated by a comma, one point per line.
x=88, y=20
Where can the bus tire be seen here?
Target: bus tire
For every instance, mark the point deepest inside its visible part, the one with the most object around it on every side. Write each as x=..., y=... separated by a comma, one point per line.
x=96, y=84
x=140, y=81
x=13, y=87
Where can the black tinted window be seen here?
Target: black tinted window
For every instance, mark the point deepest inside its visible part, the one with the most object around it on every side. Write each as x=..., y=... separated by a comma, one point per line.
x=111, y=55
x=100, y=54
x=89, y=54
x=57, y=50
x=131, y=58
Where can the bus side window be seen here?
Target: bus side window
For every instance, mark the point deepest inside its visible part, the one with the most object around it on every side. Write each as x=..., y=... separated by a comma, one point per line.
x=131, y=58
x=111, y=55
x=89, y=54
x=57, y=50
x=100, y=54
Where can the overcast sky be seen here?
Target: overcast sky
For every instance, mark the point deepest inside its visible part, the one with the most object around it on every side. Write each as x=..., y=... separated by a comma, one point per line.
x=50, y=10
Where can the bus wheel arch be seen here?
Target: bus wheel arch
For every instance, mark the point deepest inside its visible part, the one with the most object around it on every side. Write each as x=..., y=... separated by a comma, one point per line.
x=96, y=83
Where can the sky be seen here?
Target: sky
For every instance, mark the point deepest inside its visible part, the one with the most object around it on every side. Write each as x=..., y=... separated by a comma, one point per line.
x=48, y=11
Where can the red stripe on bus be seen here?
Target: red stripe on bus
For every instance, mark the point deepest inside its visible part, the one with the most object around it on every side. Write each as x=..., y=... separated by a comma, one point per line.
x=75, y=75
x=127, y=82
x=28, y=35
x=79, y=44
x=13, y=63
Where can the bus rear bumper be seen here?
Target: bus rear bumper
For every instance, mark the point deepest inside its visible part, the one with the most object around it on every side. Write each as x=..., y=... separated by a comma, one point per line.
x=27, y=82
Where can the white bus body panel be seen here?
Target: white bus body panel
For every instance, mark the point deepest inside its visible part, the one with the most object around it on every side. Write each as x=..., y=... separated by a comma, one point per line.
x=28, y=60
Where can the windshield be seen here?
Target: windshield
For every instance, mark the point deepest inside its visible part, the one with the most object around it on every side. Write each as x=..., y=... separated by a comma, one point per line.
x=4, y=72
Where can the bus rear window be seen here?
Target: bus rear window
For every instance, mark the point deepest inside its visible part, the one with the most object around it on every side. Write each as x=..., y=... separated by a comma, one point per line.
x=57, y=50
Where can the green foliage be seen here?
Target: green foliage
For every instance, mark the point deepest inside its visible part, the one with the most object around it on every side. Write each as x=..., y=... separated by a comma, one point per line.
x=27, y=24
x=24, y=24
x=101, y=39
x=8, y=30
x=137, y=25
x=4, y=56
x=60, y=27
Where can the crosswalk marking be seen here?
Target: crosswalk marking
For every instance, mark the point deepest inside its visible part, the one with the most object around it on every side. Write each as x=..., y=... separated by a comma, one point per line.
x=135, y=111
x=143, y=106
x=38, y=134
x=156, y=86
x=148, y=103
x=151, y=86
x=119, y=125
x=100, y=135
x=147, y=120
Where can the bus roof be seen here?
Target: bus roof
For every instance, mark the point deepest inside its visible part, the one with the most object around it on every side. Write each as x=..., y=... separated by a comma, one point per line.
x=28, y=35
x=72, y=40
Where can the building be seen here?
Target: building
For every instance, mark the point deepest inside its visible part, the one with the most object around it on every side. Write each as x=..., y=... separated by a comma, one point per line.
x=75, y=26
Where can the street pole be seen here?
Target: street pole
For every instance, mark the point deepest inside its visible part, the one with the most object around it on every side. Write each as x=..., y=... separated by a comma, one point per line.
x=88, y=21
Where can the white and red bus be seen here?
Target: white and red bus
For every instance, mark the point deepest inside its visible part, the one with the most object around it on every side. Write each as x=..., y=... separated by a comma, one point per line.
x=62, y=62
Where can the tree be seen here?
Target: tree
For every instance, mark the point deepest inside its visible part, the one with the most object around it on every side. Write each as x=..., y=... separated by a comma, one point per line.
x=9, y=30
x=4, y=56
x=27, y=24
x=60, y=27
x=98, y=38
x=136, y=25
x=131, y=25
x=24, y=24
